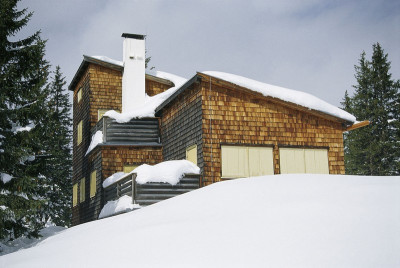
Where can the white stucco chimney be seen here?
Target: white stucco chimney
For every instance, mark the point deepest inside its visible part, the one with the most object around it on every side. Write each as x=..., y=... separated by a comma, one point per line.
x=133, y=77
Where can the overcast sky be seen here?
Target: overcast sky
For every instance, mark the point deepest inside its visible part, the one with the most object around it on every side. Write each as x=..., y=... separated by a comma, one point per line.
x=309, y=45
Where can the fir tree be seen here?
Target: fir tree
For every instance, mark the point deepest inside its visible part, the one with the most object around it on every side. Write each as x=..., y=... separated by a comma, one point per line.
x=373, y=150
x=23, y=76
x=57, y=147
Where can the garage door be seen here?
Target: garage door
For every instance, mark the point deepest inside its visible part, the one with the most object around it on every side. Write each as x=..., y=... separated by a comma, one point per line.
x=295, y=160
x=245, y=161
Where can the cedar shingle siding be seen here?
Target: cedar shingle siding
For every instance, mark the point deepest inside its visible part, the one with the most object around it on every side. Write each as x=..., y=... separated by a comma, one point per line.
x=181, y=125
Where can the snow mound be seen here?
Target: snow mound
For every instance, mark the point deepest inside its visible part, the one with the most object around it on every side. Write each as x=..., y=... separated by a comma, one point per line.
x=271, y=221
x=167, y=172
x=113, y=178
x=97, y=139
x=123, y=204
x=25, y=242
x=289, y=95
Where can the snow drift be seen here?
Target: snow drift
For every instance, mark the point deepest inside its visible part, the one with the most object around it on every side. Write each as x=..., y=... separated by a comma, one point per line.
x=271, y=221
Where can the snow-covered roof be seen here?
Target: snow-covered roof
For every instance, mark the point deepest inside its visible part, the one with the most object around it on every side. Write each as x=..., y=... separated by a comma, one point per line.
x=151, y=103
x=288, y=95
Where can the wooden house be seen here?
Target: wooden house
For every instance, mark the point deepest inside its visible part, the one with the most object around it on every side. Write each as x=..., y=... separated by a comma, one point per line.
x=227, y=128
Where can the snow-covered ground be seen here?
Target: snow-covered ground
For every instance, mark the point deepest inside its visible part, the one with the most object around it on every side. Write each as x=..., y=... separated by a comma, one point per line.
x=24, y=242
x=270, y=221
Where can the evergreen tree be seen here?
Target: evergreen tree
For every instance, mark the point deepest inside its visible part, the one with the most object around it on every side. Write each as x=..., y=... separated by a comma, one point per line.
x=23, y=76
x=57, y=147
x=373, y=150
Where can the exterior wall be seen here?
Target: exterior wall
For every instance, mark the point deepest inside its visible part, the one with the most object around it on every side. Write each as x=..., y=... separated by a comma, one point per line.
x=105, y=90
x=231, y=116
x=113, y=158
x=154, y=88
x=80, y=164
x=181, y=126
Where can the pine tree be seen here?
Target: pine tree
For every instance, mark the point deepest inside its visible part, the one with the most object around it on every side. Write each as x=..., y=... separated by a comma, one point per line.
x=373, y=150
x=57, y=147
x=23, y=76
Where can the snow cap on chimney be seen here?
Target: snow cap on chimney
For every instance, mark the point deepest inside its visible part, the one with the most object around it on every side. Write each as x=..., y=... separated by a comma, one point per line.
x=133, y=77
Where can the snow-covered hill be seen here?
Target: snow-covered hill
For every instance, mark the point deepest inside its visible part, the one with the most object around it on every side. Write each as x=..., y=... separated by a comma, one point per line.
x=271, y=221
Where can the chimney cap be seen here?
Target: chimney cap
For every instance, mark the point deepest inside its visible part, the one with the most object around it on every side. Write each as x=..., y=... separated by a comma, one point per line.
x=134, y=36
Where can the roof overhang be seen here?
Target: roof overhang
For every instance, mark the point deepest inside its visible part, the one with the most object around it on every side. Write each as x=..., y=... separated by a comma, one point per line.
x=87, y=60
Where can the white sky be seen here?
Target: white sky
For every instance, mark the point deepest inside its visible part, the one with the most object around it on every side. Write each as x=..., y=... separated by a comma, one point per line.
x=310, y=46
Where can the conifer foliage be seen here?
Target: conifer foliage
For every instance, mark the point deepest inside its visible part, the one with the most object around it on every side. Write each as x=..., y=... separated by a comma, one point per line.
x=374, y=150
x=27, y=157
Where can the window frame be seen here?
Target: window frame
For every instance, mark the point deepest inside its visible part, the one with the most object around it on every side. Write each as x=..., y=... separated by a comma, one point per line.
x=93, y=184
x=82, y=190
x=79, y=95
x=188, y=150
x=75, y=195
x=79, y=132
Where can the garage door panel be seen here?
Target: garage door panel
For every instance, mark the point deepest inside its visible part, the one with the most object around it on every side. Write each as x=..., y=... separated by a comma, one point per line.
x=296, y=160
x=260, y=161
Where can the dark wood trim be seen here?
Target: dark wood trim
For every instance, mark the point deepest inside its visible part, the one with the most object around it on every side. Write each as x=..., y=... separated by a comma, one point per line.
x=247, y=144
x=302, y=146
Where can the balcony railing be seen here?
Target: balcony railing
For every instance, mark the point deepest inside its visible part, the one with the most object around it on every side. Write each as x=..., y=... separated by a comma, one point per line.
x=144, y=131
x=149, y=193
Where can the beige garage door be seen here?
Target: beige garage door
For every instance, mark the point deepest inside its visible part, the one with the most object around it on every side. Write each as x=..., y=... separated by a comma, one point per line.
x=295, y=160
x=245, y=161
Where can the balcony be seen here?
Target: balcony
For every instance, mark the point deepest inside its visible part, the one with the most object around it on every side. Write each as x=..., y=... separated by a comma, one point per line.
x=143, y=132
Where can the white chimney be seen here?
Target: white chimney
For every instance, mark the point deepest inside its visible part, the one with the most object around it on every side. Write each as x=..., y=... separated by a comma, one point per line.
x=133, y=77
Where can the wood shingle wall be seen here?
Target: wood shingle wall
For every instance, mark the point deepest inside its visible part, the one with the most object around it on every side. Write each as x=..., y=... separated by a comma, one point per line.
x=115, y=157
x=181, y=126
x=234, y=116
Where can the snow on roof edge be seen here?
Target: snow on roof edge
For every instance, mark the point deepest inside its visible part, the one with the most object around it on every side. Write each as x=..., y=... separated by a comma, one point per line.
x=289, y=95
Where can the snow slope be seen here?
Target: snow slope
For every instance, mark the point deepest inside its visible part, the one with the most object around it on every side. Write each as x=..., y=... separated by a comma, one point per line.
x=271, y=221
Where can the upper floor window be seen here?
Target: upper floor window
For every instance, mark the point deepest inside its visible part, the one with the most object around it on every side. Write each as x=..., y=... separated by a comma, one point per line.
x=80, y=129
x=82, y=190
x=75, y=195
x=100, y=113
x=93, y=184
x=79, y=94
x=191, y=154
x=129, y=168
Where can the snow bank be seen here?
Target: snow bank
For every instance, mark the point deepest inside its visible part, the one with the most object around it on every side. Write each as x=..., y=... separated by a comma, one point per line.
x=25, y=242
x=271, y=221
x=123, y=204
x=151, y=103
x=97, y=138
x=167, y=172
x=289, y=95
x=5, y=177
x=113, y=178
x=109, y=60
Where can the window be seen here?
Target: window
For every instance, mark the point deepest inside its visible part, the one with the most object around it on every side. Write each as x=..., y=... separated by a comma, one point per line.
x=129, y=168
x=80, y=129
x=74, y=194
x=298, y=160
x=246, y=161
x=93, y=184
x=191, y=154
x=79, y=94
x=82, y=190
x=100, y=113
